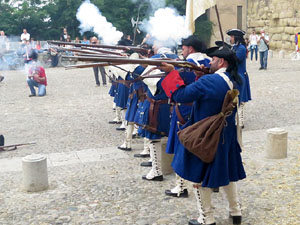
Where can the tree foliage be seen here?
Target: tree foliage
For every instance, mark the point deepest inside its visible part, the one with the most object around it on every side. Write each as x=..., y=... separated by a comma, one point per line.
x=45, y=20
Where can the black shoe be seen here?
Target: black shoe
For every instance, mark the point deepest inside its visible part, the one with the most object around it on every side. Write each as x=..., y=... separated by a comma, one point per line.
x=115, y=122
x=236, y=219
x=141, y=155
x=195, y=222
x=124, y=149
x=31, y=95
x=146, y=164
x=1, y=78
x=183, y=194
x=120, y=129
x=157, y=178
x=261, y=68
x=216, y=190
x=98, y=85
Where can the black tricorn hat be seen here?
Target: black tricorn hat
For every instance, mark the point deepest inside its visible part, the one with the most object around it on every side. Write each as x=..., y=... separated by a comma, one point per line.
x=221, y=52
x=235, y=32
x=194, y=42
x=221, y=43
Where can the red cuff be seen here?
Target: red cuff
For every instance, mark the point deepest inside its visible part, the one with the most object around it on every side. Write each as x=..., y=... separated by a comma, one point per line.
x=172, y=82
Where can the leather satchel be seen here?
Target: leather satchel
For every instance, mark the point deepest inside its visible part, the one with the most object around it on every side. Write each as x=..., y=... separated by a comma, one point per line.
x=202, y=138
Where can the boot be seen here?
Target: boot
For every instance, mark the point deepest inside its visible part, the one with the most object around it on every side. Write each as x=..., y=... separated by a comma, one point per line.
x=147, y=164
x=146, y=152
x=126, y=146
x=155, y=173
x=117, y=119
x=135, y=132
x=123, y=125
x=234, y=205
x=203, y=199
x=179, y=190
x=241, y=114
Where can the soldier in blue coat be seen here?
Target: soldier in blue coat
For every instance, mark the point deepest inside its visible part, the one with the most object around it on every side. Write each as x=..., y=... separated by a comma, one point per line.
x=226, y=169
x=131, y=108
x=240, y=49
x=155, y=116
x=192, y=51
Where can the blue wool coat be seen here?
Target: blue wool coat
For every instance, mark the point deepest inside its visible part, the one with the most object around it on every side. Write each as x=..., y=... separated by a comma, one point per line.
x=163, y=117
x=132, y=103
x=122, y=93
x=208, y=94
x=244, y=89
x=185, y=110
x=113, y=89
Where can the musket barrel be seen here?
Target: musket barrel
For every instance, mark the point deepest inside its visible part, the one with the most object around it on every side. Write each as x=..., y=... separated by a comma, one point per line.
x=121, y=47
x=154, y=62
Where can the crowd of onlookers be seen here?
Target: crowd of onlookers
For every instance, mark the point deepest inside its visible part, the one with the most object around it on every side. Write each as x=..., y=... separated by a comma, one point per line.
x=258, y=43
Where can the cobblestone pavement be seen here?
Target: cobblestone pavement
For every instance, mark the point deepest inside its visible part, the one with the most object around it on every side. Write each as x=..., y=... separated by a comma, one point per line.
x=108, y=189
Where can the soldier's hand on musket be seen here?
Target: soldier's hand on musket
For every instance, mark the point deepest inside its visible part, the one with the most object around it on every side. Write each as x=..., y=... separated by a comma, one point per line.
x=166, y=67
x=200, y=73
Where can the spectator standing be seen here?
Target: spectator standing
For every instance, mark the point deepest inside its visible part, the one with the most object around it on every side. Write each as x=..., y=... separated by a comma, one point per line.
x=253, y=38
x=64, y=35
x=3, y=42
x=94, y=41
x=297, y=43
x=25, y=36
x=263, y=48
x=28, y=52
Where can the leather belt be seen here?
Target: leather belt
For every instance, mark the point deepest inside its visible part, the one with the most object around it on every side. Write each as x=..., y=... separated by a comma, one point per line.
x=178, y=114
x=153, y=111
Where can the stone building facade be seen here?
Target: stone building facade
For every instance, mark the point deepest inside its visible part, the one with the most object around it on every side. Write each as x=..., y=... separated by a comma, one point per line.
x=279, y=18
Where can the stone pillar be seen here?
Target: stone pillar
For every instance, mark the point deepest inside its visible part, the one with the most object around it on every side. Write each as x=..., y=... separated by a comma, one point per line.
x=276, y=146
x=270, y=55
x=165, y=159
x=281, y=54
x=35, y=175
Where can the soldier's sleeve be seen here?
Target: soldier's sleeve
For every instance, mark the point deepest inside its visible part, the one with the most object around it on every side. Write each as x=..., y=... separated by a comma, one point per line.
x=172, y=82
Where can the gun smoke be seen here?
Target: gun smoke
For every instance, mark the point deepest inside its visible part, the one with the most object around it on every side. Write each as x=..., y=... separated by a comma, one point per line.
x=166, y=25
x=91, y=19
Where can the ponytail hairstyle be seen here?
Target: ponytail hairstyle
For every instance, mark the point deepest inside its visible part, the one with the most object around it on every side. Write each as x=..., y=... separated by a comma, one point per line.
x=232, y=69
x=239, y=40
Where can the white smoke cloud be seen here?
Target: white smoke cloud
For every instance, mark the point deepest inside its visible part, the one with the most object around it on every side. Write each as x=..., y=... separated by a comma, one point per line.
x=155, y=4
x=91, y=20
x=166, y=25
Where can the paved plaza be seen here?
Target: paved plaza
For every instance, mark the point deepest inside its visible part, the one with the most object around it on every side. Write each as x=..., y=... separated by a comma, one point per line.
x=92, y=182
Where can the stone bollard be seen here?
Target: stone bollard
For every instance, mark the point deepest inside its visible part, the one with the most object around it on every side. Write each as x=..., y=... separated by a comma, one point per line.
x=165, y=159
x=270, y=54
x=281, y=54
x=276, y=147
x=35, y=175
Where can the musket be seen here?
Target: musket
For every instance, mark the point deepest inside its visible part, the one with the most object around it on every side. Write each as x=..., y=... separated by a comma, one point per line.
x=103, y=51
x=88, y=65
x=121, y=47
x=154, y=62
x=13, y=147
x=80, y=51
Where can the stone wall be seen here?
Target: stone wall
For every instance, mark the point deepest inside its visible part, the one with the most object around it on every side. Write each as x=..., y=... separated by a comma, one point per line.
x=279, y=18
